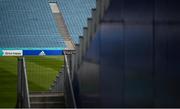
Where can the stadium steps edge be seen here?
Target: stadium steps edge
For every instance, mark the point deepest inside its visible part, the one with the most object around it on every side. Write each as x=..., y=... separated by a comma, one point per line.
x=47, y=100
x=89, y=32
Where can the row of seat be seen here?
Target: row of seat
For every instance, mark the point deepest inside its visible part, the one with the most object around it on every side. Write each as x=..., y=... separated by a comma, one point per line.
x=75, y=14
x=33, y=21
x=28, y=23
x=31, y=42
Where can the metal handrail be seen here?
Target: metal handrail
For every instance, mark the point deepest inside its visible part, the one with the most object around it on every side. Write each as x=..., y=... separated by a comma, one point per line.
x=69, y=81
x=26, y=88
x=23, y=90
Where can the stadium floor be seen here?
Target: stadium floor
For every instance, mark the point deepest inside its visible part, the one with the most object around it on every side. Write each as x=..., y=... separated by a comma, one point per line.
x=41, y=73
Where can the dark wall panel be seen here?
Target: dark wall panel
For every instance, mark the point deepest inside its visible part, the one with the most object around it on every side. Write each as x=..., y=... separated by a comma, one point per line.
x=167, y=10
x=167, y=66
x=111, y=65
x=167, y=59
x=135, y=57
x=88, y=76
x=161, y=65
x=138, y=10
x=116, y=10
x=138, y=65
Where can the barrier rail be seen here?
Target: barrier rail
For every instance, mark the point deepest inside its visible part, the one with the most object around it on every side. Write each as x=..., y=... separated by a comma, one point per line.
x=23, y=100
x=68, y=87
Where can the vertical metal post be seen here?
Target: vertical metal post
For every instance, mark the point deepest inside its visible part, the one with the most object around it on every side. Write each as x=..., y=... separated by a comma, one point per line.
x=93, y=27
x=19, y=82
x=89, y=32
x=26, y=87
x=65, y=82
x=71, y=61
x=107, y=4
x=81, y=49
x=68, y=90
x=98, y=9
x=72, y=65
x=102, y=8
x=76, y=57
x=84, y=41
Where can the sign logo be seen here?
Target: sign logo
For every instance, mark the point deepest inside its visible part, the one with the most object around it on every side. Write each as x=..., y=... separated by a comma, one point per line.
x=12, y=52
x=42, y=53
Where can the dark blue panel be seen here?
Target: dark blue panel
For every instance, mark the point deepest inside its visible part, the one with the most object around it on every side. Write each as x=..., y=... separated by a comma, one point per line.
x=167, y=53
x=111, y=64
x=174, y=64
x=42, y=52
x=116, y=10
x=139, y=55
x=138, y=10
x=167, y=66
x=167, y=10
x=138, y=65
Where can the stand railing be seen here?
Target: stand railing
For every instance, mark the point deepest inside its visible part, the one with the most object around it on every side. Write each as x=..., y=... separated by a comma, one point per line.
x=68, y=87
x=23, y=100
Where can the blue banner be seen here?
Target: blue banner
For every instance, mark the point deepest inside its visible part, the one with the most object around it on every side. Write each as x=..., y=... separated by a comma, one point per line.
x=42, y=52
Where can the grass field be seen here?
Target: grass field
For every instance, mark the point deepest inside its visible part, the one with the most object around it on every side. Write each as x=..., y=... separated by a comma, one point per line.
x=41, y=73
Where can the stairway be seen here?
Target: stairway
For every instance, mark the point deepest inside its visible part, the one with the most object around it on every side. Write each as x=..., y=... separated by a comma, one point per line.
x=47, y=100
x=62, y=28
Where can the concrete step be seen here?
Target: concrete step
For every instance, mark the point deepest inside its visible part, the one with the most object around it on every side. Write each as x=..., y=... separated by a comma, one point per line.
x=47, y=99
x=39, y=94
x=47, y=105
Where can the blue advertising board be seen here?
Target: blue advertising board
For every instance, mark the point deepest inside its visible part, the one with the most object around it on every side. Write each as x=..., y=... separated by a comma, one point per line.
x=42, y=52
x=39, y=52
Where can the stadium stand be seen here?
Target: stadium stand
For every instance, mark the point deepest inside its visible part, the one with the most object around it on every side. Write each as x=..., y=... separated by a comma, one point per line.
x=75, y=14
x=28, y=25
x=31, y=25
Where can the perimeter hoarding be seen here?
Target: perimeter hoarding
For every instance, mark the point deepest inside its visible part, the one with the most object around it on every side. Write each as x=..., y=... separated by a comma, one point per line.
x=40, y=52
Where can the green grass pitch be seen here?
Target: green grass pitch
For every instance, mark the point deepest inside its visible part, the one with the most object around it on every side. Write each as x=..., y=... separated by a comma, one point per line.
x=41, y=72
